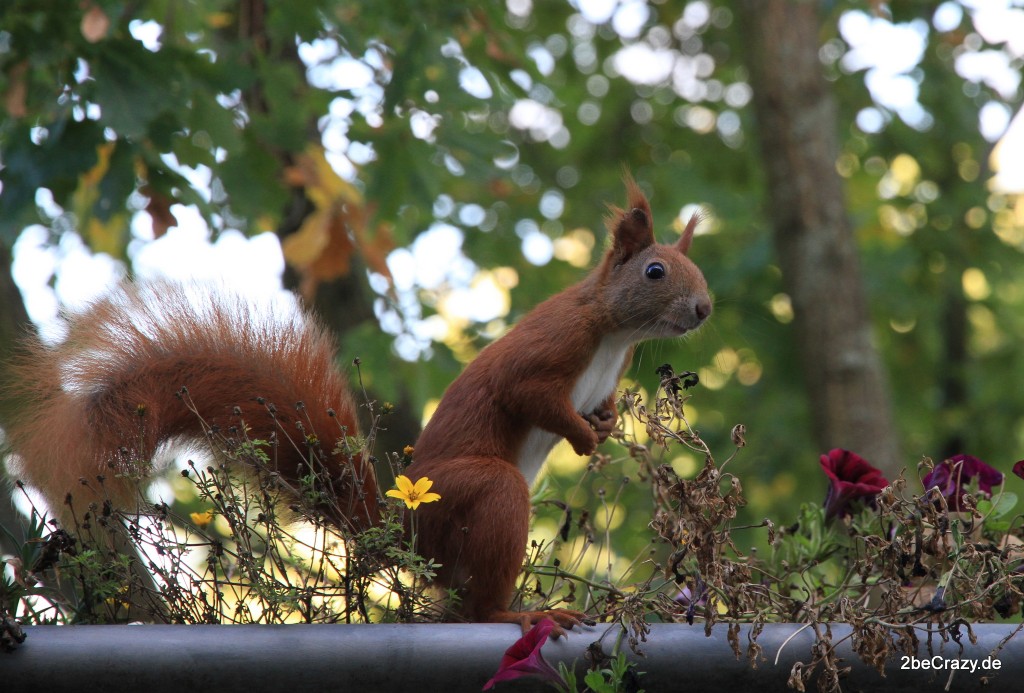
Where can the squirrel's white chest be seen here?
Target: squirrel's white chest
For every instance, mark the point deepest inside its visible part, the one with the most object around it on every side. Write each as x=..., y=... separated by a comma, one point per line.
x=593, y=386
x=602, y=374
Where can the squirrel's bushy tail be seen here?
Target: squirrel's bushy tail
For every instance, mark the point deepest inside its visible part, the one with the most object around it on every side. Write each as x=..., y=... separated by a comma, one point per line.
x=108, y=397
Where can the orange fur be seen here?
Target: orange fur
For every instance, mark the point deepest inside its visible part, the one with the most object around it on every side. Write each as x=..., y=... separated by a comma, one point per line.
x=104, y=400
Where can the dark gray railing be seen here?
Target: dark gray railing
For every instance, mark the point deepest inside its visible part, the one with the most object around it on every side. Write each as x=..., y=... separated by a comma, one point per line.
x=455, y=658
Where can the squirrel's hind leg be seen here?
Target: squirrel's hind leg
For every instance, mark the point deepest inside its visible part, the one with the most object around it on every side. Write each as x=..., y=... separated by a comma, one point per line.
x=477, y=531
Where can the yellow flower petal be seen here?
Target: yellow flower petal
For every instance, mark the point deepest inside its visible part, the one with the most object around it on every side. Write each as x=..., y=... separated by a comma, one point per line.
x=423, y=485
x=201, y=519
x=413, y=494
x=404, y=484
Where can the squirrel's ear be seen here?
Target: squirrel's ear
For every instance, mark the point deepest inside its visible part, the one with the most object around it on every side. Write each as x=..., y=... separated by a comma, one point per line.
x=683, y=246
x=631, y=229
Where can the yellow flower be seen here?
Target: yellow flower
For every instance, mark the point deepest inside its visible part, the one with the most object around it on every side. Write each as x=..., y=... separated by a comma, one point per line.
x=120, y=601
x=413, y=494
x=720, y=606
x=202, y=519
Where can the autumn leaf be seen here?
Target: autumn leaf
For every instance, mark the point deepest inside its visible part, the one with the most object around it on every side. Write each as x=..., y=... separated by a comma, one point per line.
x=219, y=20
x=324, y=187
x=91, y=178
x=103, y=227
x=95, y=24
x=302, y=248
x=106, y=236
x=14, y=98
x=322, y=248
x=159, y=209
x=87, y=192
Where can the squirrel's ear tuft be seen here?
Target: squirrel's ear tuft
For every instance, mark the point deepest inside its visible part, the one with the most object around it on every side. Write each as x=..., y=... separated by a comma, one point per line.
x=631, y=228
x=683, y=245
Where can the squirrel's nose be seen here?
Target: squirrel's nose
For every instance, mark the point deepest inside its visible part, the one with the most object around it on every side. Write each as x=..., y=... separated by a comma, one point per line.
x=703, y=308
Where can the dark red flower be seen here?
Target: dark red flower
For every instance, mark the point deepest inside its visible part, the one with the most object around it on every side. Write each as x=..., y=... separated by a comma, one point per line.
x=524, y=658
x=1018, y=469
x=851, y=478
x=952, y=476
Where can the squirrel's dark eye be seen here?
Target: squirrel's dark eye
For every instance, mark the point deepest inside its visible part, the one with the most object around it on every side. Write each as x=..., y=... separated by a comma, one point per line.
x=655, y=270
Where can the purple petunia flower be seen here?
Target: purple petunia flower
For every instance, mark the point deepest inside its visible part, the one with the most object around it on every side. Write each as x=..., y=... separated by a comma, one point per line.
x=685, y=596
x=851, y=478
x=524, y=658
x=693, y=598
x=951, y=477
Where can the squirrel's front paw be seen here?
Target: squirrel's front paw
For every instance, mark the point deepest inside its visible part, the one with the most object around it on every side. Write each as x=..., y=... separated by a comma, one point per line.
x=586, y=443
x=603, y=423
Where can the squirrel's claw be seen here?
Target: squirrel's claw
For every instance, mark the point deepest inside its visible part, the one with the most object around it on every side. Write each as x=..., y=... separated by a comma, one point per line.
x=603, y=423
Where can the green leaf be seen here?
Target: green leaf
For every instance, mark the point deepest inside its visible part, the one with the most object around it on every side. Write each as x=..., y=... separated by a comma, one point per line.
x=67, y=151
x=998, y=525
x=216, y=121
x=1001, y=505
x=132, y=86
x=596, y=682
x=252, y=181
x=285, y=124
x=957, y=531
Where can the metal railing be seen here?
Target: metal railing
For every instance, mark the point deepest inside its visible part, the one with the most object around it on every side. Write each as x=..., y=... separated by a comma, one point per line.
x=462, y=657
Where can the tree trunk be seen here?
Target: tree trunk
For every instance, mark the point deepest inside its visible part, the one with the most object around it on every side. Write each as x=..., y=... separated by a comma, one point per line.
x=797, y=123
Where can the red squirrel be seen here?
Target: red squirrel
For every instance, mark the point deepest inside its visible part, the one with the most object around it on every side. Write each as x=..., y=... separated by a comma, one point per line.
x=108, y=397
x=552, y=376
